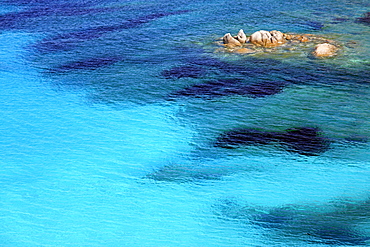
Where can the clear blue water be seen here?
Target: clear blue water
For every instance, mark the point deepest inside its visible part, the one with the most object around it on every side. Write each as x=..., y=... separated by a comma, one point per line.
x=94, y=153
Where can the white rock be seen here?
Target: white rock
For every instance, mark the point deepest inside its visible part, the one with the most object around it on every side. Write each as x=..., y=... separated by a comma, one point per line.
x=267, y=39
x=325, y=50
x=230, y=40
x=241, y=37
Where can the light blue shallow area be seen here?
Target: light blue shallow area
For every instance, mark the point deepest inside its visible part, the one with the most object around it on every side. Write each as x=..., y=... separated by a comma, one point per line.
x=99, y=158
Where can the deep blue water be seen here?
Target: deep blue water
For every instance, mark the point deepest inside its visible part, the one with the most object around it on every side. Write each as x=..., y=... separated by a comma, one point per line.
x=123, y=123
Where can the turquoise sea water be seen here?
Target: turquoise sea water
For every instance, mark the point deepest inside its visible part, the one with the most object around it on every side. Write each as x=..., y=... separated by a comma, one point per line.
x=95, y=153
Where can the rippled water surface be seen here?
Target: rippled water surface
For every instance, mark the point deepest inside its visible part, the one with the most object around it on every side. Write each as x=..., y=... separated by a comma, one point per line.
x=124, y=123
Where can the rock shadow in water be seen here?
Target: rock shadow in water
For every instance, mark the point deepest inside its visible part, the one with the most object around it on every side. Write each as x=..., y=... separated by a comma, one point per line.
x=304, y=140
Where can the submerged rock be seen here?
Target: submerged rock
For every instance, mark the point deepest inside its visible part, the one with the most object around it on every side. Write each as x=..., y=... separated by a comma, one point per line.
x=241, y=137
x=86, y=64
x=313, y=25
x=365, y=19
x=263, y=89
x=187, y=71
x=325, y=50
x=229, y=87
x=303, y=140
x=342, y=223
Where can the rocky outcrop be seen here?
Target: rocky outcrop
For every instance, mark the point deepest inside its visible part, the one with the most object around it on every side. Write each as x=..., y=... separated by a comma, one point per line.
x=267, y=38
x=262, y=38
x=275, y=41
x=325, y=50
x=272, y=41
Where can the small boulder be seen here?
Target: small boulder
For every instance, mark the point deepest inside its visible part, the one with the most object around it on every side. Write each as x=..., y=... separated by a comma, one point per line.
x=324, y=50
x=303, y=38
x=267, y=39
x=230, y=41
x=297, y=37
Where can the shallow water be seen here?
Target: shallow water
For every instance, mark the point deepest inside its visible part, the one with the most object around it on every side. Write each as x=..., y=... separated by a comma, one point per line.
x=98, y=150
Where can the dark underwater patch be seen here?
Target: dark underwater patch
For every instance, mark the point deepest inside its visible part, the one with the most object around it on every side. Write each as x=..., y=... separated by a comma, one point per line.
x=340, y=20
x=310, y=25
x=365, y=19
x=210, y=89
x=257, y=70
x=14, y=20
x=250, y=67
x=274, y=219
x=263, y=89
x=67, y=41
x=241, y=137
x=305, y=140
x=63, y=42
x=44, y=2
x=229, y=87
x=340, y=235
x=314, y=25
x=304, y=225
x=87, y=64
x=334, y=228
x=251, y=78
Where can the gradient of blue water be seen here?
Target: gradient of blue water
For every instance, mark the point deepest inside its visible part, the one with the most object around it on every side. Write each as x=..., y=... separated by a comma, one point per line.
x=83, y=165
